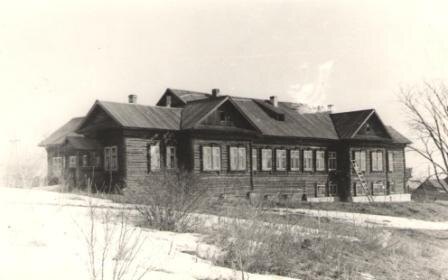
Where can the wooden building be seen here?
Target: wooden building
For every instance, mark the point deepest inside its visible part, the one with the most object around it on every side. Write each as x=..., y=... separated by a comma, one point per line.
x=431, y=189
x=241, y=146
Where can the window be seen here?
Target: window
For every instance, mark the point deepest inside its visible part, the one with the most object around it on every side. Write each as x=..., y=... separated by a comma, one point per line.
x=360, y=158
x=332, y=161
x=308, y=160
x=390, y=161
x=266, y=159
x=237, y=158
x=224, y=118
x=321, y=190
x=378, y=188
x=377, y=161
x=95, y=159
x=110, y=158
x=320, y=160
x=57, y=166
x=85, y=160
x=211, y=158
x=170, y=157
x=295, y=160
x=254, y=159
x=154, y=157
x=72, y=162
x=280, y=156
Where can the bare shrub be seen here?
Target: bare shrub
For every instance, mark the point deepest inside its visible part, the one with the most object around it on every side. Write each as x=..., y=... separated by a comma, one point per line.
x=167, y=200
x=113, y=246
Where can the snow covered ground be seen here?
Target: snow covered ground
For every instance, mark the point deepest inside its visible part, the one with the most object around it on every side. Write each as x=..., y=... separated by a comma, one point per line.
x=368, y=219
x=42, y=237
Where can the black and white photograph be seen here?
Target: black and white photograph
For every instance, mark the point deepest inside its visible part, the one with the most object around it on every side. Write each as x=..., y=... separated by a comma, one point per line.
x=224, y=139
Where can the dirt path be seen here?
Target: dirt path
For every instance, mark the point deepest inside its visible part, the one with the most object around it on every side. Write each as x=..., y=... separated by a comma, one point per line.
x=367, y=219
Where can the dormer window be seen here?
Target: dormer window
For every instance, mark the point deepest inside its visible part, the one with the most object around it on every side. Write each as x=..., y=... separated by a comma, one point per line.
x=367, y=127
x=224, y=118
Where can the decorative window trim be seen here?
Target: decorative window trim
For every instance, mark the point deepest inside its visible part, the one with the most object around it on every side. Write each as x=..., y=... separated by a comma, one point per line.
x=280, y=159
x=294, y=157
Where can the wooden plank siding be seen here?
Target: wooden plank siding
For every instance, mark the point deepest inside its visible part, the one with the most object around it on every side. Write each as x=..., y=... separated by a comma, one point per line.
x=394, y=182
x=225, y=181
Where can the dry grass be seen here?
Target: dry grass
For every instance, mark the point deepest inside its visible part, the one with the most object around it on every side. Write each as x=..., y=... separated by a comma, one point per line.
x=314, y=248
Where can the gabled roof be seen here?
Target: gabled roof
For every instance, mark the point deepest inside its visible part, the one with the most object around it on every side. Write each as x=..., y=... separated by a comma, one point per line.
x=348, y=123
x=139, y=116
x=194, y=112
x=188, y=96
x=436, y=184
x=184, y=96
x=60, y=135
x=284, y=120
x=397, y=137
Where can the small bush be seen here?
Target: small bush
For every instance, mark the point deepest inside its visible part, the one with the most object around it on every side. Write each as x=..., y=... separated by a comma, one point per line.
x=166, y=200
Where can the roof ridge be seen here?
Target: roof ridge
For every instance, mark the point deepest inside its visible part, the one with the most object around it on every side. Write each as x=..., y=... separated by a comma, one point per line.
x=140, y=105
x=355, y=111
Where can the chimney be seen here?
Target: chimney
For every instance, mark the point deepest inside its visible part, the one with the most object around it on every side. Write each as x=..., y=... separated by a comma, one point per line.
x=168, y=101
x=330, y=108
x=132, y=99
x=274, y=101
x=215, y=92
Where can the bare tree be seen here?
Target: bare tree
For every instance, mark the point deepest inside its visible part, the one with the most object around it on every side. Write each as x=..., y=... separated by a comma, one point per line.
x=427, y=108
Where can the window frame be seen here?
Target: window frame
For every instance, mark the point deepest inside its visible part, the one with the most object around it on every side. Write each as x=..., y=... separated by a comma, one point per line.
x=311, y=160
x=266, y=152
x=237, y=158
x=254, y=156
x=390, y=161
x=332, y=160
x=375, y=162
x=215, y=158
x=282, y=158
x=170, y=157
x=152, y=150
x=111, y=158
x=72, y=161
x=294, y=154
x=322, y=160
x=85, y=160
x=362, y=164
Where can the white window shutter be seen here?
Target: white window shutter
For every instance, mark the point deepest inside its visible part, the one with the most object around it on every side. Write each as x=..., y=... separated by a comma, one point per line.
x=242, y=158
x=233, y=158
x=216, y=152
x=155, y=157
x=206, y=158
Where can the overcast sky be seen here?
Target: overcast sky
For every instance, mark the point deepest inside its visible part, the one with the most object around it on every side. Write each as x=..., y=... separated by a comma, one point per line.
x=58, y=57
